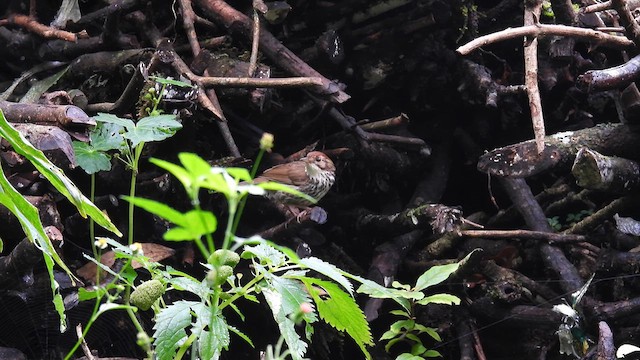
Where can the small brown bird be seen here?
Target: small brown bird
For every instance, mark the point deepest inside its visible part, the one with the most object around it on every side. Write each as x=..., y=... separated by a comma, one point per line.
x=313, y=175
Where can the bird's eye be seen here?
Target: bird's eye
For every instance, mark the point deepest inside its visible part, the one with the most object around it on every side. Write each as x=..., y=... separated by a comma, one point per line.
x=318, y=159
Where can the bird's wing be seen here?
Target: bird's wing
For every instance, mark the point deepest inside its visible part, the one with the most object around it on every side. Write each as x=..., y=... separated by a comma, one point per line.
x=293, y=173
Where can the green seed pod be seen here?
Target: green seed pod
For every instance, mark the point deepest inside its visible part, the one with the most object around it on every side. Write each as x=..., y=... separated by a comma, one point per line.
x=146, y=294
x=217, y=277
x=224, y=257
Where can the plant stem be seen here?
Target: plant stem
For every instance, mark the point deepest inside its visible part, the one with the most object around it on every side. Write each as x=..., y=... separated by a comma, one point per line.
x=134, y=319
x=228, y=232
x=132, y=188
x=185, y=346
x=86, y=328
x=243, y=201
x=210, y=244
x=242, y=291
x=92, y=237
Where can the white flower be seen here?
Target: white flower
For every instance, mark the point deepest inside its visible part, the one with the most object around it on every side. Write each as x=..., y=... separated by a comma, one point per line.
x=101, y=243
x=136, y=248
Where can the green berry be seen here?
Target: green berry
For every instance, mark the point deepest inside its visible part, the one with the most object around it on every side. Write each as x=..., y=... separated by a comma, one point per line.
x=224, y=257
x=146, y=294
x=217, y=276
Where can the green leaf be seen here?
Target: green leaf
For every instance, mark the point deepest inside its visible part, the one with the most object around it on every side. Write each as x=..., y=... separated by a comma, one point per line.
x=435, y=275
x=157, y=208
x=407, y=356
x=392, y=342
x=265, y=254
x=242, y=335
x=176, y=170
x=241, y=174
x=274, y=186
x=194, y=164
x=376, y=290
x=446, y=299
x=197, y=223
x=201, y=289
x=281, y=308
x=432, y=353
x=213, y=340
x=400, y=313
x=328, y=270
x=30, y=222
x=164, y=81
x=126, y=124
x=55, y=175
x=38, y=88
x=340, y=311
x=90, y=159
x=438, y=274
x=432, y=332
x=389, y=334
x=106, y=137
x=152, y=128
x=403, y=325
x=418, y=349
x=170, y=327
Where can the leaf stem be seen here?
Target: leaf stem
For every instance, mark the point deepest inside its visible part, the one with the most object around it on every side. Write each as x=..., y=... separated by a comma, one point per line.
x=132, y=187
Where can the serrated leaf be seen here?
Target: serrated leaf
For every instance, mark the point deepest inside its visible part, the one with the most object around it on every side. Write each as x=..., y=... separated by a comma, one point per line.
x=211, y=342
x=152, y=128
x=329, y=270
x=265, y=254
x=198, y=288
x=446, y=299
x=275, y=300
x=89, y=159
x=55, y=175
x=293, y=295
x=376, y=290
x=170, y=327
x=242, y=335
x=341, y=311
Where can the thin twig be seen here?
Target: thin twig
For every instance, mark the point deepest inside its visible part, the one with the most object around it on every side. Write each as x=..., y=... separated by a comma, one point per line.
x=35, y=27
x=596, y=7
x=85, y=347
x=188, y=16
x=255, y=40
x=531, y=15
x=524, y=234
x=598, y=37
x=631, y=27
